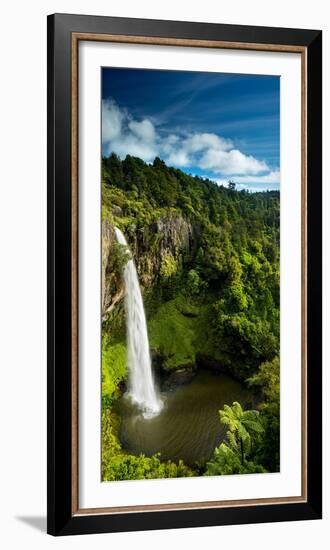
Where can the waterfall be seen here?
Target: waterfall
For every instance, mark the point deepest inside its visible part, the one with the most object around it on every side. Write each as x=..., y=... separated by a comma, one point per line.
x=141, y=383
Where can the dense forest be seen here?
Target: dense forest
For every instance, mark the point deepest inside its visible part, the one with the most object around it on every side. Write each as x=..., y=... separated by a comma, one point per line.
x=207, y=257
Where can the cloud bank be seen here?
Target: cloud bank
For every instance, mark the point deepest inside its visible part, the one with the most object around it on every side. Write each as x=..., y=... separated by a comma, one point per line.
x=271, y=178
x=217, y=156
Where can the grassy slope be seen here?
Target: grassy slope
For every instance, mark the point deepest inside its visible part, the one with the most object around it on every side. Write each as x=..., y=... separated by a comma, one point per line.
x=179, y=331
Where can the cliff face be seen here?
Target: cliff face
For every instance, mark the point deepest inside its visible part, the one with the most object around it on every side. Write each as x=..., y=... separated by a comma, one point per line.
x=159, y=251
x=108, y=237
x=112, y=288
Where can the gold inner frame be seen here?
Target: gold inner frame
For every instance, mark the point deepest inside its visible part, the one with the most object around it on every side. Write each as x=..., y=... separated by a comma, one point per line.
x=76, y=37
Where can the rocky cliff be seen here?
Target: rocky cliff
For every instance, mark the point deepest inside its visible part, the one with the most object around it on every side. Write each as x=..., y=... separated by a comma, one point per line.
x=159, y=251
x=112, y=287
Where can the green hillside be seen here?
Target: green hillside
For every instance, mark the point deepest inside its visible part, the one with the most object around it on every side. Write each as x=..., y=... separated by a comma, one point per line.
x=208, y=263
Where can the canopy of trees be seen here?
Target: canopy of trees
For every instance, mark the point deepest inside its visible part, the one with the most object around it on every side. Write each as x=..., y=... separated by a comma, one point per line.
x=218, y=299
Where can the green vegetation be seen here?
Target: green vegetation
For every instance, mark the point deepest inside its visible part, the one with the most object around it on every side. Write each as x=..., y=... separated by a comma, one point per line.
x=208, y=263
x=245, y=429
x=118, y=465
x=268, y=380
x=113, y=370
x=177, y=332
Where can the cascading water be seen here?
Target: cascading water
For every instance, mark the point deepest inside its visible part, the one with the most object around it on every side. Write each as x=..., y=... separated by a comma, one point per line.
x=141, y=383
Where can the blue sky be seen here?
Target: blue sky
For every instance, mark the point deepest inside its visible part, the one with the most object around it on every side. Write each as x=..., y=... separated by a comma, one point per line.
x=221, y=126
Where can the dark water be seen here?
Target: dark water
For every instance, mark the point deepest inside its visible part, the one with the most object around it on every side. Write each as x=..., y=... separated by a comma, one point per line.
x=188, y=427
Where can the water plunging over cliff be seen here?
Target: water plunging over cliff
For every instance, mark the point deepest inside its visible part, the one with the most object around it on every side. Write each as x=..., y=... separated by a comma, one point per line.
x=141, y=383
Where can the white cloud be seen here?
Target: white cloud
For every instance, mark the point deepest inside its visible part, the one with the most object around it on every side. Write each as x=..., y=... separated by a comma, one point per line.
x=179, y=158
x=253, y=183
x=131, y=144
x=143, y=130
x=201, y=142
x=231, y=162
x=112, y=120
x=124, y=135
x=271, y=177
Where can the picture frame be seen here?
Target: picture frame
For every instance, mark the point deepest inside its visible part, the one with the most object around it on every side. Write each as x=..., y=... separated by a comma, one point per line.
x=65, y=33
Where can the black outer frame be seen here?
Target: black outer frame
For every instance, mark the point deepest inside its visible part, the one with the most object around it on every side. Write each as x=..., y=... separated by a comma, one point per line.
x=59, y=515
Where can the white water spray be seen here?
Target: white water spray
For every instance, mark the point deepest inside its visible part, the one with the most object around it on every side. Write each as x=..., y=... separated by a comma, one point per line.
x=141, y=383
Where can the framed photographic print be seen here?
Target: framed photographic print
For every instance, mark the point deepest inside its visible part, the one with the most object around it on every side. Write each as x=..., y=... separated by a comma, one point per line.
x=184, y=274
